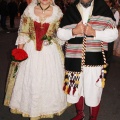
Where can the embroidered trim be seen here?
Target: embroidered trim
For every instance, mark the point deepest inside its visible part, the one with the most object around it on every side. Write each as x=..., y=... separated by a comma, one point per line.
x=16, y=111
x=72, y=80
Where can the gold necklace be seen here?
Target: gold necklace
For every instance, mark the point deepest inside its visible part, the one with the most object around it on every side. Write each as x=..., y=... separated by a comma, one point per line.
x=43, y=10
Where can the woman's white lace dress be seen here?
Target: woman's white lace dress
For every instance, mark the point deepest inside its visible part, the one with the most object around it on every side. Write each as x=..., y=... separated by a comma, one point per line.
x=37, y=92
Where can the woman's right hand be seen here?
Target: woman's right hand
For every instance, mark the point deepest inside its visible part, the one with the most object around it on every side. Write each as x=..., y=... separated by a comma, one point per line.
x=20, y=46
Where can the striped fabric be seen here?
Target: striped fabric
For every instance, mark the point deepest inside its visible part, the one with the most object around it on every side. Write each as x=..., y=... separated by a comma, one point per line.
x=95, y=46
x=70, y=26
x=99, y=22
x=75, y=50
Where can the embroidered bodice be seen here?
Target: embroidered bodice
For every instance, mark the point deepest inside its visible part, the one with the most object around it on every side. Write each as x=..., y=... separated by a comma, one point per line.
x=27, y=27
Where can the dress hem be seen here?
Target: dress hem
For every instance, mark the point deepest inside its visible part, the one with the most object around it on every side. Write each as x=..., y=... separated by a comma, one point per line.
x=16, y=111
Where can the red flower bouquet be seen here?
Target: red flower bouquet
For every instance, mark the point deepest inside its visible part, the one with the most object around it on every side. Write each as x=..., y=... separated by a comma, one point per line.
x=19, y=55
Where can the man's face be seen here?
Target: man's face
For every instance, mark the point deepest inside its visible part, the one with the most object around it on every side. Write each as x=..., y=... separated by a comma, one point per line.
x=85, y=1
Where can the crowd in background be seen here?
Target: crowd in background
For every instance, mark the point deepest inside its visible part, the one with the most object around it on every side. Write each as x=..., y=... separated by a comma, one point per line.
x=63, y=4
x=13, y=8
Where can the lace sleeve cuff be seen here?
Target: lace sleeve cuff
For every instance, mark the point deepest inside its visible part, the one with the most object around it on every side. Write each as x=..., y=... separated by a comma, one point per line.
x=22, y=39
x=61, y=42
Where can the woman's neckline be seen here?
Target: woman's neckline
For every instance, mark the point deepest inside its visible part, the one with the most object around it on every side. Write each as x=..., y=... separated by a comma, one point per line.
x=46, y=17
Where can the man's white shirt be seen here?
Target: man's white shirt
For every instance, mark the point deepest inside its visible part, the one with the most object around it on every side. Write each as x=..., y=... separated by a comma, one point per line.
x=108, y=35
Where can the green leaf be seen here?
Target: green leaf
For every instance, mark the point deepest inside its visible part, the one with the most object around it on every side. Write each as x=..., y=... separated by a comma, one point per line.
x=49, y=38
x=44, y=37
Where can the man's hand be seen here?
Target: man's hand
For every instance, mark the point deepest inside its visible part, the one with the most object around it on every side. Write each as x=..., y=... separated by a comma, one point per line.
x=89, y=31
x=79, y=29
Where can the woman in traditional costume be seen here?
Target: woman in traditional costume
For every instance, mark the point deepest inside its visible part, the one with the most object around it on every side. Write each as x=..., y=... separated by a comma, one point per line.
x=36, y=90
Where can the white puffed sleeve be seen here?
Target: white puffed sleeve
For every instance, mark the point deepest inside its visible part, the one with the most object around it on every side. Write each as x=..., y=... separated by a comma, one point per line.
x=64, y=34
x=23, y=32
x=107, y=35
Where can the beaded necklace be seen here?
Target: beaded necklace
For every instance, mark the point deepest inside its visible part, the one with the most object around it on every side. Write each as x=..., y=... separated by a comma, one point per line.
x=43, y=10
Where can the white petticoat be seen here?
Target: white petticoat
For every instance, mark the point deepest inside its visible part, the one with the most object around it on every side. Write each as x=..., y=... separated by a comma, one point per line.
x=39, y=82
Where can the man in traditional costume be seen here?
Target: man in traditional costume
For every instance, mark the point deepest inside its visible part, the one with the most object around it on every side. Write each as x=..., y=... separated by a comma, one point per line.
x=87, y=27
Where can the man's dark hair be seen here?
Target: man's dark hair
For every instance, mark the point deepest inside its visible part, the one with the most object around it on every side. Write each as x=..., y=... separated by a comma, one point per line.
x=113, y=2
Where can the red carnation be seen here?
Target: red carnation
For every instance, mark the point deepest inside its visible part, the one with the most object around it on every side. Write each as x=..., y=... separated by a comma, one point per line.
x=19, y=55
